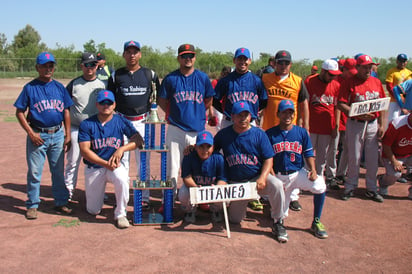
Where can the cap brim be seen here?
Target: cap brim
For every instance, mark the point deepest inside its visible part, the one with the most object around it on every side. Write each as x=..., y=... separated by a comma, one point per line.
x=131, y=46
x=204, y=142
x=187, y=51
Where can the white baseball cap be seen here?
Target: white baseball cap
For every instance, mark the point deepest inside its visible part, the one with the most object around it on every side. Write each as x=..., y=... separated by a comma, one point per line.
x=331, y=66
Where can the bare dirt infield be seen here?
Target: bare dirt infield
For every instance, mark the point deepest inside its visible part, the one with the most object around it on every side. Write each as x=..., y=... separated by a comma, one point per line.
x=364, y=236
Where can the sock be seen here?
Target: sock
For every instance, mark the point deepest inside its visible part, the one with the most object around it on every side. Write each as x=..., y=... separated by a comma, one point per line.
x=318, y=201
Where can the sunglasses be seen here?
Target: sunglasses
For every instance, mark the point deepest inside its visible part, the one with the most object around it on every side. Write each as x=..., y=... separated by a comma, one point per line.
x=187, y=55
x=287, y=63
x=106, y=102
x=90, y=65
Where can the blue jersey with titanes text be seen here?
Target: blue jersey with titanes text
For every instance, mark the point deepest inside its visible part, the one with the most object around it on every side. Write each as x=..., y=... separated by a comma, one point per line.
x=290, y=147
x=244, y=153
x=241, y=87
x=105, y=139
x=205, y=172
x=186, y=96
x=46, y=102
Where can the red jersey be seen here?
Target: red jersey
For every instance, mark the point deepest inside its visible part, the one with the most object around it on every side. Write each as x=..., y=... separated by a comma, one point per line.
x=354, y=90
x=399, y=137
x=343, y=117
x=322, y=101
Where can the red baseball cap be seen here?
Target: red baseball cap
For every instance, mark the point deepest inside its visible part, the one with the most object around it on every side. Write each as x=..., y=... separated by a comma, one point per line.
x=364, y=60
x=350, y=64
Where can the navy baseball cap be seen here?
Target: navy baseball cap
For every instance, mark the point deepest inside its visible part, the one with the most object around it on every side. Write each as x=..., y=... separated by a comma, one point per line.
x=242, y=52
x=104, y=95
x=286, y=104
x=44, y=58
x=402, y=57
x=131, y=44
x=88, y=57
x=204, y=137
x=240, y=106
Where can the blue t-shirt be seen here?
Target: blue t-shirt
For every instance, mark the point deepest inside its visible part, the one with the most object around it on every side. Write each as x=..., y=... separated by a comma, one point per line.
x=105, y=139
x=46, y=102
x=290, y=147
x=205, y=172
x=186, y=96
x=244, y=153
x=236, y=87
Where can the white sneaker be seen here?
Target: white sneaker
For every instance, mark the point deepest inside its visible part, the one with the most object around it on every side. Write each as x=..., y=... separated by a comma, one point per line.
x=122, y=222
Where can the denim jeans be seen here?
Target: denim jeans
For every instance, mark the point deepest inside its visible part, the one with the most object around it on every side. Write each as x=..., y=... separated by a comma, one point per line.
x=36, y=156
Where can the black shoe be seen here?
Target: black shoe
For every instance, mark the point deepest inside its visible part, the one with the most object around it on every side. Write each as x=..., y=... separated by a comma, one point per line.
x=279, y=231
x=341, y=180
x=375, y=196
x=333, y=184
x=347, y=195
x=295, y=206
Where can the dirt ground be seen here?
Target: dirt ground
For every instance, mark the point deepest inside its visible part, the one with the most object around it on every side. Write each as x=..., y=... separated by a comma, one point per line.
x=364, y=236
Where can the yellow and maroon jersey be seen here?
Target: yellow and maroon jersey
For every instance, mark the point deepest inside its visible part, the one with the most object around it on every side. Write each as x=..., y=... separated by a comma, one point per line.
x=290, y=88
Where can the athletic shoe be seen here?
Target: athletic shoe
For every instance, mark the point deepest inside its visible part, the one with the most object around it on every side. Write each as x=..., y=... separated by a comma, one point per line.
x=279, y=231
x=408, y=176
x=31, y=213
x=295, y=206
x=216, y=217
x=190, y=217
x=318, y=229
x=123, y=222
x=333, y=184
x=63, y=209
x=373, y=195
x=255, y=205
x=347, y=195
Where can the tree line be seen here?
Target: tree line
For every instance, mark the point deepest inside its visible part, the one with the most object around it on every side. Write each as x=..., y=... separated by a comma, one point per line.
x=18, y=58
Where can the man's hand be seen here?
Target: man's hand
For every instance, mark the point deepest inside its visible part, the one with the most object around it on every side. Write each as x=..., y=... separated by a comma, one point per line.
x=260, y=183
x=312, y=175
x=67, y=143
x=212, y=121
x=397, y=165
x=114, y=161
x=366, y=117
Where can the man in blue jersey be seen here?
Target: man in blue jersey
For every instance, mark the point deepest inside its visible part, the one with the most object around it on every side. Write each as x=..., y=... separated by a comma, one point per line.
x=291, y=145
x=47, y=103
x=240, y=85
x=132, y=87
x=185, y=95
x=249, y=158
x=202, y=167
x=102, y=146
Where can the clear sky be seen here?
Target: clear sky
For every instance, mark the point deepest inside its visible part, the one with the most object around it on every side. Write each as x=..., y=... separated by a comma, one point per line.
x=313, y=29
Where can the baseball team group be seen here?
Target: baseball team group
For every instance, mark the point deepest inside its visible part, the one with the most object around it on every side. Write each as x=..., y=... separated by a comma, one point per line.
x=274, y=128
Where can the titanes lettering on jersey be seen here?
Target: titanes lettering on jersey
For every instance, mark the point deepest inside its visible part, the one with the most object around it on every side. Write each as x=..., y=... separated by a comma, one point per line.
x=204, y=181
x=243, y=96
x=241, y=159
x=44, y=105
x=185, y=96
x=106, y=142
x=287, y=146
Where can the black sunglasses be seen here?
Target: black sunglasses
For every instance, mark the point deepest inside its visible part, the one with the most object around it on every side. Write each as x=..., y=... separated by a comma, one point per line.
x=187, y=55
x=106, y=102
x=90, y=65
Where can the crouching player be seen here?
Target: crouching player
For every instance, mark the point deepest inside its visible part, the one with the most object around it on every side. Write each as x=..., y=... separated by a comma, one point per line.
x=102, y=147
x=201, y=167
x=397, y=151
x=292, y=145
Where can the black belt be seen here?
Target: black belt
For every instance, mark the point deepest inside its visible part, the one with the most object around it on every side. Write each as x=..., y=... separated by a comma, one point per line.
x=363, y=121
x=49, y=130
x=287, y=172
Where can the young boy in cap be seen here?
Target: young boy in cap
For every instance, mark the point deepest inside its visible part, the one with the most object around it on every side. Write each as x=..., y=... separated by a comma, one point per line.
x=102, y=147
x=291, y=145
x=202, y=167
x=47, y=103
